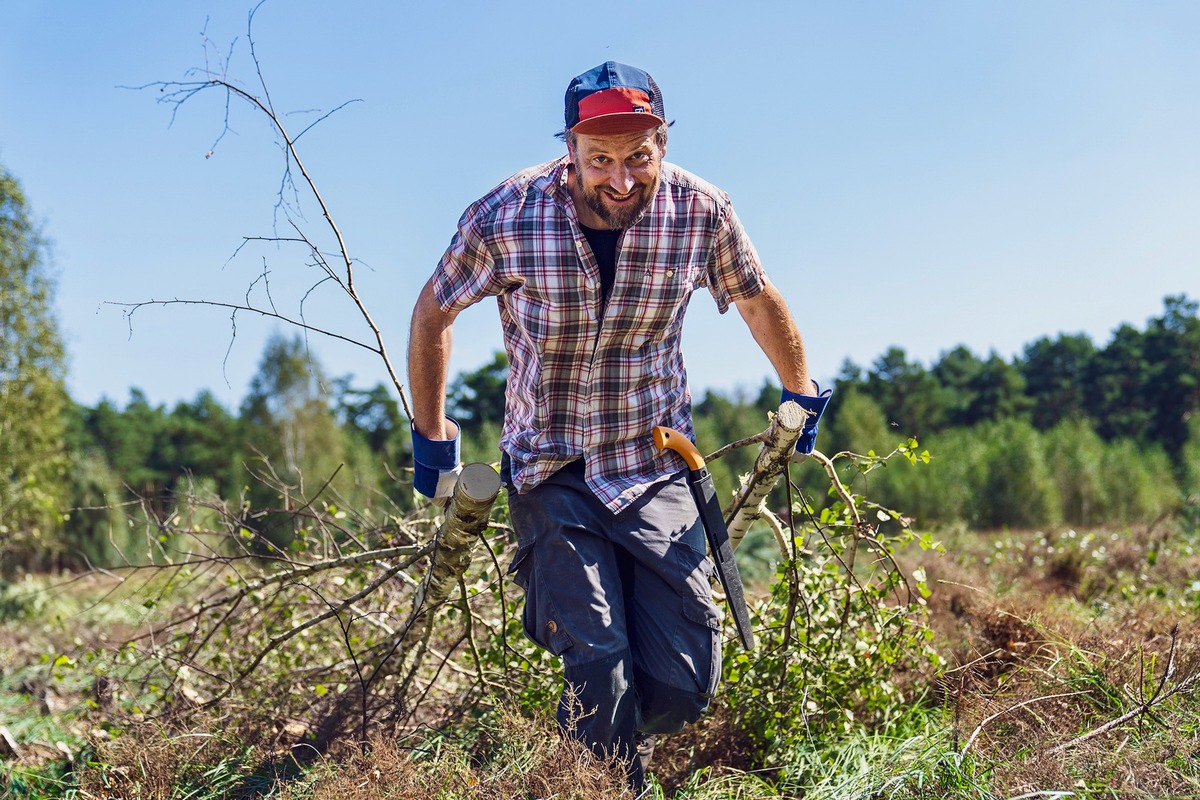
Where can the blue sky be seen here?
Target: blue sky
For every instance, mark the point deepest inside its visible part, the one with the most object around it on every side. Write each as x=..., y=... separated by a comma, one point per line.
x=918, y=174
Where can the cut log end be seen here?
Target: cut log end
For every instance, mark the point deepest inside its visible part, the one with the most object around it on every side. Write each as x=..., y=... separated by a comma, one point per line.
x=479, y=482
x=791, y=416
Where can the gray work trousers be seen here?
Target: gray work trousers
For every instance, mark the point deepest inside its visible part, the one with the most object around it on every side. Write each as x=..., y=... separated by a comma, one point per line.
x=625, y=600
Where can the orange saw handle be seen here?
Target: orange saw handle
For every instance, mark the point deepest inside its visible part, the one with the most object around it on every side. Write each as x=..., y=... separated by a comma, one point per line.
x=668, y=439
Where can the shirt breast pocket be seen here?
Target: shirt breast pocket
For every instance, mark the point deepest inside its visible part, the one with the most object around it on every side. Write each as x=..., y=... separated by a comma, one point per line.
x=657, y=297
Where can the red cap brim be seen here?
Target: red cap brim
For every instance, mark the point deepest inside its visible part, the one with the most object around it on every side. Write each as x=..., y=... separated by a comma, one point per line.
x=612, y=124
x=616, y=110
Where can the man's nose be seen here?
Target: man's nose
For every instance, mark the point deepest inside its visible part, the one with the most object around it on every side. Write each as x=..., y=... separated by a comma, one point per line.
x=621, y=180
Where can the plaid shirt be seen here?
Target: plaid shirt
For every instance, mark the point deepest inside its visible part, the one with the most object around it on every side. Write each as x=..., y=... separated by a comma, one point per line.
x=585, y=378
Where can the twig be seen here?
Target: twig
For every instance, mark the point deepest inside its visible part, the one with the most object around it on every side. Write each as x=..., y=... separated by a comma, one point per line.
x=838, y=486
x=1160, y=694
x=729, y=448
x=469, y=622
x=978, y=730
x=131, y=308
x=291, y=633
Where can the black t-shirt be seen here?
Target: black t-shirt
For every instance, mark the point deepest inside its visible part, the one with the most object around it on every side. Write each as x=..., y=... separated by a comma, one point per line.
x=604, y=247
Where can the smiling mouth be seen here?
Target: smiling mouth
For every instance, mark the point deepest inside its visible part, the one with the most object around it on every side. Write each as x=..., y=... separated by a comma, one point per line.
x=620, y=198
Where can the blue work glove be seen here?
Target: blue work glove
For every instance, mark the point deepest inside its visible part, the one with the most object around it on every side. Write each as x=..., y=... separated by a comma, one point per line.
x=815, y=406
x=435, y=464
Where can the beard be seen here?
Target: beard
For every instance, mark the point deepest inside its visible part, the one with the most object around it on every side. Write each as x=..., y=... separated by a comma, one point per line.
x=619, y=217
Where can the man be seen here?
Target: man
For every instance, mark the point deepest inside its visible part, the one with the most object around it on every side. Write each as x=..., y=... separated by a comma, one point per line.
x=593, y=258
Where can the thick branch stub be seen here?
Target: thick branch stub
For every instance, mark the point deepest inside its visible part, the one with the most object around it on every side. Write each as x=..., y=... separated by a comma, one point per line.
x=779, y=443
x=466, y=519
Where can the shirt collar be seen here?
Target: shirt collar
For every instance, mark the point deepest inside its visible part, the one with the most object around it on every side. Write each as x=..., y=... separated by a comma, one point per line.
x=558, y=178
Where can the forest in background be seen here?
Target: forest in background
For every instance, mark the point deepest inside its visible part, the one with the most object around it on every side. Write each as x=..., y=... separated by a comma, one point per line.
x=1067, y=432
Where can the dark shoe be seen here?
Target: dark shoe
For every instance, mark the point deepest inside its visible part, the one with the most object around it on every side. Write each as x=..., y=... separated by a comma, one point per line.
x=643, y=743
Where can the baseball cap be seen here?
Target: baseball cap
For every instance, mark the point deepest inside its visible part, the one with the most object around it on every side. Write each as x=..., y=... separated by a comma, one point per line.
x=613, y=98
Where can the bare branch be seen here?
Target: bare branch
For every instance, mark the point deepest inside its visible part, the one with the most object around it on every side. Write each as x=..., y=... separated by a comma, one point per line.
x=176, y=93
x=729, y=448
x=131, y=308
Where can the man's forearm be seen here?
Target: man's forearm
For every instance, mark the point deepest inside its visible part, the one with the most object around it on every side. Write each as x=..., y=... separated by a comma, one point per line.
x=429, y=341
x=771, y=324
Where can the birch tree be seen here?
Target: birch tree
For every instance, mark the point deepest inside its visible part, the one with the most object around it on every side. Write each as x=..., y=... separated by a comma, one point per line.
x=33, y=396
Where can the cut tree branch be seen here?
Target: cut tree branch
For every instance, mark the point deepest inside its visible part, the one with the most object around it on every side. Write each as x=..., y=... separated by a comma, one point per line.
x=778, y=445
x=466, y=519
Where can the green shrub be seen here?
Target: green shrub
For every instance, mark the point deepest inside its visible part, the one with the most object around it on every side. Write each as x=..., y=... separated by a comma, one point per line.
x=1018, y=490
x=95, y=530
x=1139, y=482
x=1189, y=460
x=1075, y=456
x=950, y=488
x=842, y=619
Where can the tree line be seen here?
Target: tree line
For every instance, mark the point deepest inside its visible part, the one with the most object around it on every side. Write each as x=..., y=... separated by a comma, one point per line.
x=1067, y=431
x=1037, y=440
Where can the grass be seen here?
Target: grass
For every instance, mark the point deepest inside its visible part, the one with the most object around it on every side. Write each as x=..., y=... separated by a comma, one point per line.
x=1055, y=635
x=1048, y=638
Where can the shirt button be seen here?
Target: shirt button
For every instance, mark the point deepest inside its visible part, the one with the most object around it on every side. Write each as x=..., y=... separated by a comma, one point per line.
x=552, y=626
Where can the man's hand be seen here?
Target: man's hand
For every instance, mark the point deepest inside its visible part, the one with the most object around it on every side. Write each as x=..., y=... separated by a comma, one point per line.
x=436, y=462
x=815, y=406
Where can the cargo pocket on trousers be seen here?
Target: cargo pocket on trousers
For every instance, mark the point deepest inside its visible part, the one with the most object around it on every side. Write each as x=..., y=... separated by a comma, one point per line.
x=539, y=617
x=705, y=618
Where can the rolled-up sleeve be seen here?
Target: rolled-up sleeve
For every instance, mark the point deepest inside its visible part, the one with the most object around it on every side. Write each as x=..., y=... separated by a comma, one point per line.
x=466, y=272
x=734, y=269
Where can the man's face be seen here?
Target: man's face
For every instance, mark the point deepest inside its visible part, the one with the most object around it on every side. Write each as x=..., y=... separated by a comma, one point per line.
x=616, y=177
